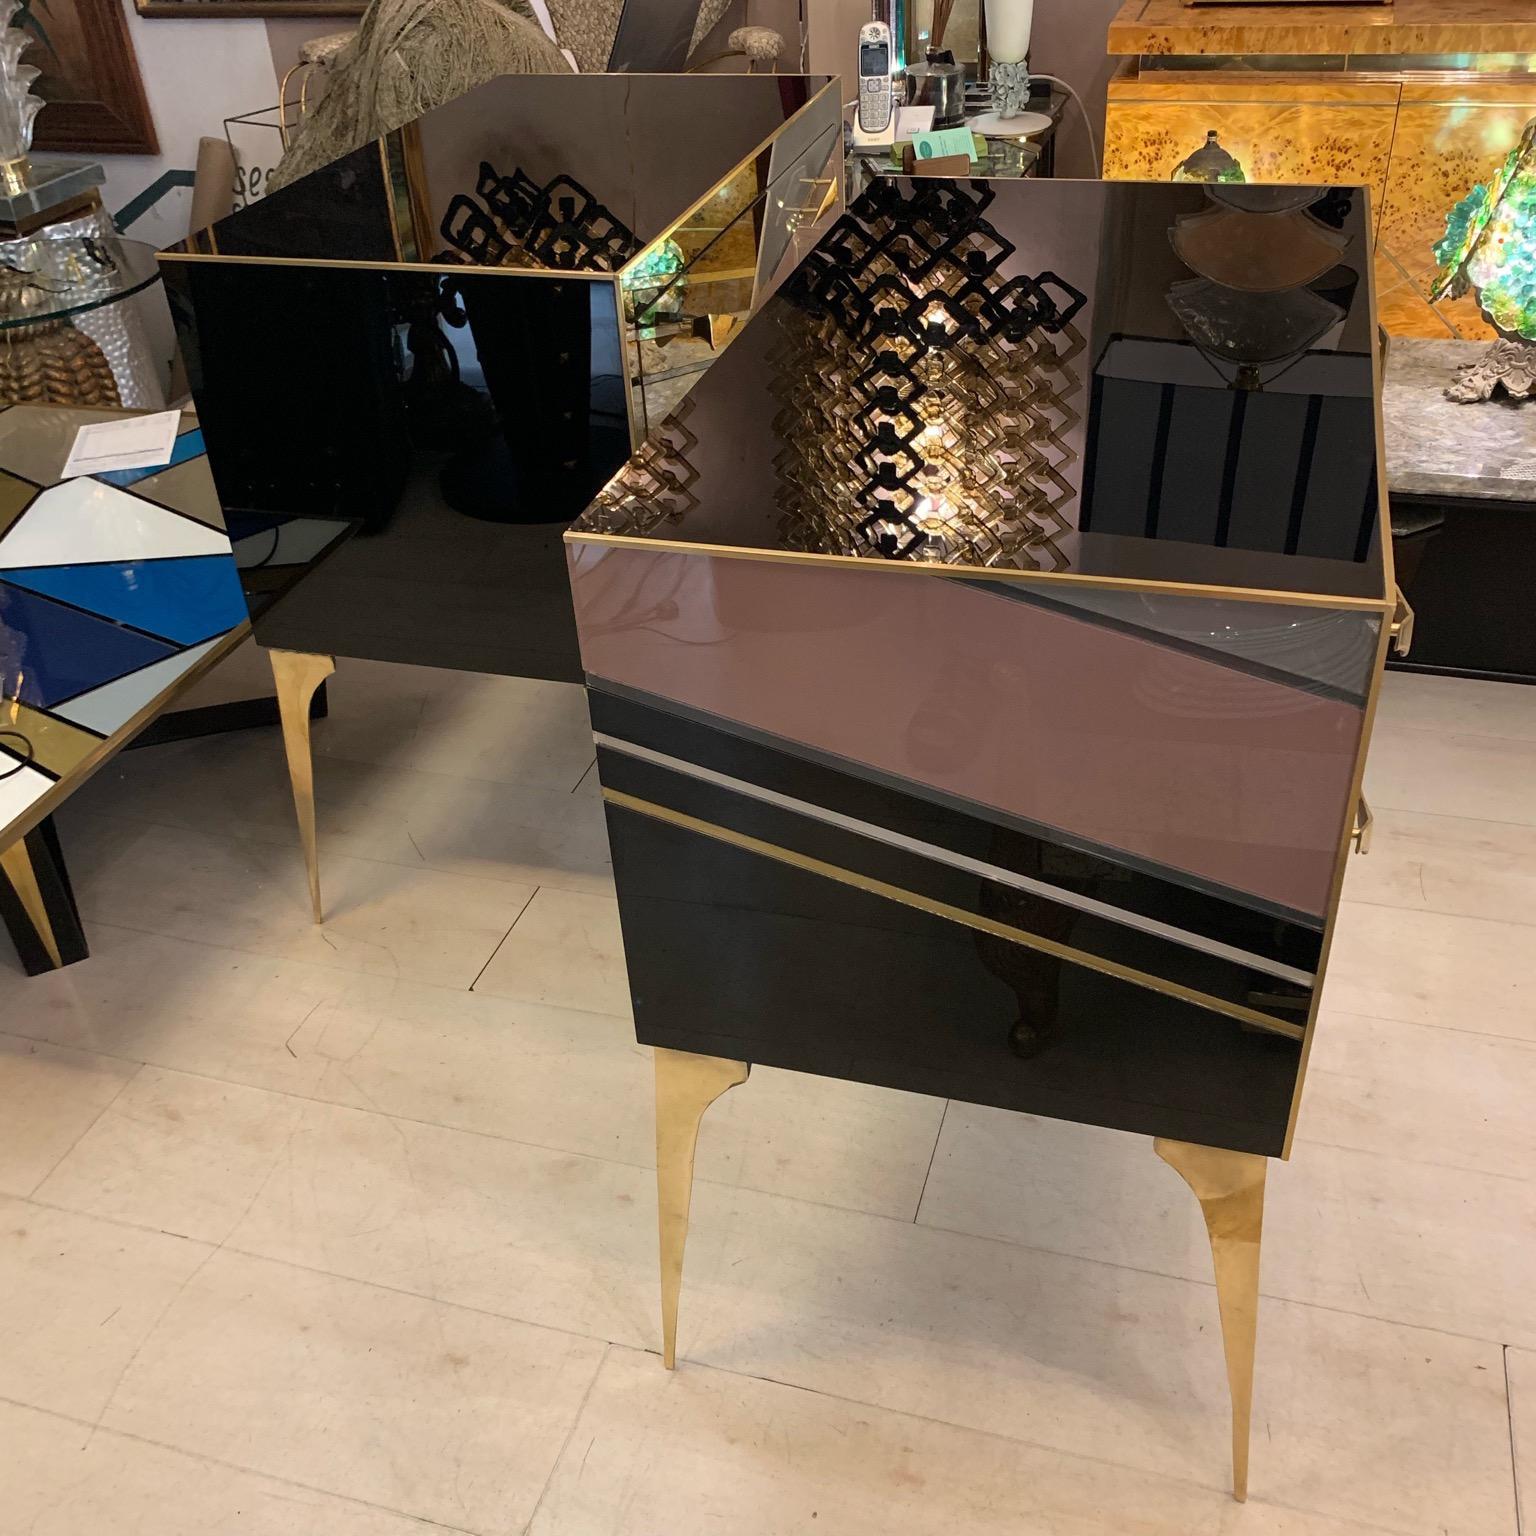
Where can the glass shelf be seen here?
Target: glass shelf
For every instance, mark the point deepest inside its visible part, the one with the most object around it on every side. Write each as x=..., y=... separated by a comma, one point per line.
x=43, y=278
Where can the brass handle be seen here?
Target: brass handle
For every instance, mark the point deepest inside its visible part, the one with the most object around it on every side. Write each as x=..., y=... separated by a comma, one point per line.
x=824, y=198
x=1360, y=833
x=1401, y=629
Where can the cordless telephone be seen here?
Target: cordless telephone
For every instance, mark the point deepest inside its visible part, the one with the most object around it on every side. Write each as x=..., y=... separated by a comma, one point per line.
x=874, y=78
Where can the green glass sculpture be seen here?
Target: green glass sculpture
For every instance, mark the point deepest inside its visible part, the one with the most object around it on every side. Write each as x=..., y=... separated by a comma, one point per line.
x=653, y=286
x=1489, y=248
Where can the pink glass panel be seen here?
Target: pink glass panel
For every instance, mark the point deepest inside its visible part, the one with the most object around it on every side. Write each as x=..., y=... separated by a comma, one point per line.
x=1176, y=758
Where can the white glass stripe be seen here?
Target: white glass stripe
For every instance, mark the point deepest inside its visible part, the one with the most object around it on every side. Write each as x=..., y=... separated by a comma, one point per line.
x=963, y=861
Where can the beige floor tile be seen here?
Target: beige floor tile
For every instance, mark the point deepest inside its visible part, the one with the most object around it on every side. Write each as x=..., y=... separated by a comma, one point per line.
x=1413, y=769
x=508, y=730
x=546, y=837
x=698, y=1451
x=1521, y=1366
x=816, y=1138
x=237, y=786
x=177, y=1154
x=1415, y=1090
x=431, y=1410
x=577, y=1081
x=541, y=1236
x=1354, y=1418
x=1448, y=864
x=1460, y=706
x=555, y=1077
x=382, y=918
x=196, y=1007
x=1466, y=973
x=78, y=1298
x=1406, y=1241
x=566, y=949
x=59, y=1478
x=1381, y=1236
x=48, y=1099
x=544, y=1235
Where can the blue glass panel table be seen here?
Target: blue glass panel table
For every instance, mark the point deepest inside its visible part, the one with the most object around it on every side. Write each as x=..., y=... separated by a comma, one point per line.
x=117, y=592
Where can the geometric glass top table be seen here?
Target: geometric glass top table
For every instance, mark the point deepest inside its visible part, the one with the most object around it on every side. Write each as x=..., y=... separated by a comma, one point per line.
x=117, y=592
x=415, y=366
x=982, y=660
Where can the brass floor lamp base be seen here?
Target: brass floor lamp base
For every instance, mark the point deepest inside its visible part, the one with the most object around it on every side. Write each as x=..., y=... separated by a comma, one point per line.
x=298, y=674
x=1229, y=1186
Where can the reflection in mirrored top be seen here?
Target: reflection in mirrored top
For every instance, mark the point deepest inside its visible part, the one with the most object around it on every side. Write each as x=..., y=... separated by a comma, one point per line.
x=538, y=172
x=1165, y=384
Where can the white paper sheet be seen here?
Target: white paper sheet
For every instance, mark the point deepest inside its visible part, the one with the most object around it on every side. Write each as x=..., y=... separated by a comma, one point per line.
x=136, y=442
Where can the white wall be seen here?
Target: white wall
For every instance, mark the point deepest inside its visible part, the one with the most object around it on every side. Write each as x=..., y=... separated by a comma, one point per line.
x=196, y=73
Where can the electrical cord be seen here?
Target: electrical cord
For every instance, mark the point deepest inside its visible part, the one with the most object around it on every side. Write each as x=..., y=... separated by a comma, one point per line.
x=28, y=749
x=1093, y=143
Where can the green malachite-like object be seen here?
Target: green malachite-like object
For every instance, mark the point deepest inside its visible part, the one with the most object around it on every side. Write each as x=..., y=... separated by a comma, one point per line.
x=653, y=287
x=1489, y=248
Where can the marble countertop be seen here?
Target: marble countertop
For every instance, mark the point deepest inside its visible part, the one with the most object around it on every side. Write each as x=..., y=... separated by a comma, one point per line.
x=1438, y=448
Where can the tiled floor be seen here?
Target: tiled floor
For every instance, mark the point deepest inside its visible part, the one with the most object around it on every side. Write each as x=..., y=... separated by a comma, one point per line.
x=351, y=1231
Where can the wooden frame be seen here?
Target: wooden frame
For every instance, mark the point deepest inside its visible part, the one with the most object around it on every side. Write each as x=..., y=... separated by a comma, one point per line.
x=90, y=81
x=226, y=9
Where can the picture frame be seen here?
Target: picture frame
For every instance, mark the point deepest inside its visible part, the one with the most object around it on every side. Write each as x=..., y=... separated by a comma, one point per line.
x=90, y=82
x=225, y=10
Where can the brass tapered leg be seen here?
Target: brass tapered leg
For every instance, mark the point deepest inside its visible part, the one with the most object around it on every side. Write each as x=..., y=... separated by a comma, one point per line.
x=17, y=864
x=298, y=674
x=1230, y=1188
x=686, y=1085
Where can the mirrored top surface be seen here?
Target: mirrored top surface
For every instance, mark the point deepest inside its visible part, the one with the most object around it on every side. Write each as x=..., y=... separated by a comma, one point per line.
x=1171, y=384
x=568, y=173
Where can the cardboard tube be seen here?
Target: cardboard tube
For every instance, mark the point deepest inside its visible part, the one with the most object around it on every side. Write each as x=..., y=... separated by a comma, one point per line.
x=213, y=192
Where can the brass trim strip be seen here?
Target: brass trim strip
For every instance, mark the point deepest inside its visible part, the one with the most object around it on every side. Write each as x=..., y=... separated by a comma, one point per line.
x=1379, y=606
x=1402, y=626
x=387, y=171
x=1124, y=917
x=1357, y=782
x=1360, y=833
x=951, y=914
x=441, y=268
x=634, y=400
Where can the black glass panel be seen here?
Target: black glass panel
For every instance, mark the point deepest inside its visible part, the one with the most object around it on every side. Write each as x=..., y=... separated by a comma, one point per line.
x=433, y=352
x=453, y=425
x=797, y=971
